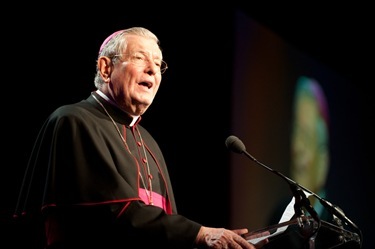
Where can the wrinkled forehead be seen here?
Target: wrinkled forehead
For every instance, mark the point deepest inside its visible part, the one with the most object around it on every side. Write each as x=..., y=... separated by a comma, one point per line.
x=136, y=43
x=142, y=44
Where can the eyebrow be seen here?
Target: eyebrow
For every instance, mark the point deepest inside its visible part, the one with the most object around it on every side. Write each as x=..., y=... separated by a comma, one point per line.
x=154, y=56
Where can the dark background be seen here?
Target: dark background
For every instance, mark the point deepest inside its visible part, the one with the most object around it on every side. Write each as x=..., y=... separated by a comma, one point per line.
x=49, y=54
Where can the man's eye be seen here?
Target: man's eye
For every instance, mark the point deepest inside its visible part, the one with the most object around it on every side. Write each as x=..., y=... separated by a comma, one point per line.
x=139, y=57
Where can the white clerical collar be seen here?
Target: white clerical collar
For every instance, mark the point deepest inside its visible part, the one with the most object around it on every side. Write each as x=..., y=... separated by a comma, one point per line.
x=135, y=118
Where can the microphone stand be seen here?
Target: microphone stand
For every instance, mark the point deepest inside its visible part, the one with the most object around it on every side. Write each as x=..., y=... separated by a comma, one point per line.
x=302, y=201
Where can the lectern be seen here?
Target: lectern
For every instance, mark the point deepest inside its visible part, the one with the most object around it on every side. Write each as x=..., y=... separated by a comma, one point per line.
x=304, y=232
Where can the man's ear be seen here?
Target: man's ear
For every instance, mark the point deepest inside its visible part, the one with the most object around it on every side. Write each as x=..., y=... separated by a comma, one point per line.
x=105, y=67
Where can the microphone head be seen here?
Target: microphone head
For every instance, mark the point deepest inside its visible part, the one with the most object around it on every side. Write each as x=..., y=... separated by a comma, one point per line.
x=235, y=144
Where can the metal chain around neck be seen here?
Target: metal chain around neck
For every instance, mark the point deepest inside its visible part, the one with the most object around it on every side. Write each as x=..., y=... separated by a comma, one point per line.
x=148, y=190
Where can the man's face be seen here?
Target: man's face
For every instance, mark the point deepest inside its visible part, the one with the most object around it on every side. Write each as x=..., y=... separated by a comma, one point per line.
x=136, y=76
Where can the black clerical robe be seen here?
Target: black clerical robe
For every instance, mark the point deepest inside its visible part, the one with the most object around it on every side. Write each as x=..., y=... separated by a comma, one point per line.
x=84, y=181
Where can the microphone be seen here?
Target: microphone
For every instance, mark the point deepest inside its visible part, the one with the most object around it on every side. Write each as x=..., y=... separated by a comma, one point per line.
x=234, y=144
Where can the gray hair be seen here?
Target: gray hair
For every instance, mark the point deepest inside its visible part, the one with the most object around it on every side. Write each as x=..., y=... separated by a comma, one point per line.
x=116, y=43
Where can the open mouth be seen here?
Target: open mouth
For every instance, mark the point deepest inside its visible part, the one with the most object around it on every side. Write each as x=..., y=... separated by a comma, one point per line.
x=146, y=84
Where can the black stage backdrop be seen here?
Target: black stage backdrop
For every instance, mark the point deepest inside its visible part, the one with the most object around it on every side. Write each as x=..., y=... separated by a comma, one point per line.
x=49, y=58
